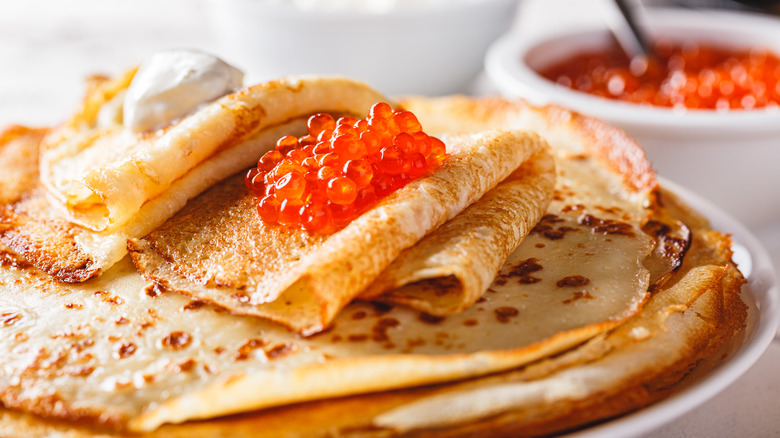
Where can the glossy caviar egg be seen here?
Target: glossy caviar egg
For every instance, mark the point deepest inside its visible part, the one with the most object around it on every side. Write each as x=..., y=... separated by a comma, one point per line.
x=339, y=169
x=268, y=208
x=290, y=186
x=315, y=216
x=688, y=75
x=358, y=171
x=286, y=144
x=320, y=122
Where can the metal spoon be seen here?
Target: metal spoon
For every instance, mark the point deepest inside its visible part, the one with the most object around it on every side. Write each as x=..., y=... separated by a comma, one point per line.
x=629, y=33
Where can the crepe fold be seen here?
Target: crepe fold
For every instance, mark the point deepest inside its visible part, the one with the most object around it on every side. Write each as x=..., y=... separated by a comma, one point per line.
x=118, y=353
x=688, y=324
x=576, y=326
x=102, y=184
x=302, y=281
x=451, y=268
x=628, y=368
x=104, y=176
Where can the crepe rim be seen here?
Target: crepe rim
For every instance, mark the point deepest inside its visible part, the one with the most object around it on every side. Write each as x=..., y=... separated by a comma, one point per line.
x=153, y=175
x=368, y=374
x=706, y=283
x=436, y=257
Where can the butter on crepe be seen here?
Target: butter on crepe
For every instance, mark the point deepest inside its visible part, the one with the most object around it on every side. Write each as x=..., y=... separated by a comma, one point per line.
x=103, y=184
x=217, y=250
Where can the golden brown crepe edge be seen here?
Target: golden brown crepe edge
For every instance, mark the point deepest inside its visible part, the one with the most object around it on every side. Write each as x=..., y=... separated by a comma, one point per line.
x=433, y=276
x=719, y=324
x=459, y=113
x=515, y=423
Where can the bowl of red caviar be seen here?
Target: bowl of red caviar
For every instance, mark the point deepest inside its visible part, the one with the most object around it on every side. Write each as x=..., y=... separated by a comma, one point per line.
x=706, y=107
x=426, y=47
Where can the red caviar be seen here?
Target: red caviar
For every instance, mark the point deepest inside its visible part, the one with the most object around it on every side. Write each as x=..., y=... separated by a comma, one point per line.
x=688, y=75
x=341, y=168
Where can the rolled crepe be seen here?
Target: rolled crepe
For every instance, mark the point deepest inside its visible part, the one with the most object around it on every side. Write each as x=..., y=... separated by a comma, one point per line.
x=120, y=353
x=115, y=352
x=103, y=184
x=451, y=268
x=302, y=280
x=103, y=176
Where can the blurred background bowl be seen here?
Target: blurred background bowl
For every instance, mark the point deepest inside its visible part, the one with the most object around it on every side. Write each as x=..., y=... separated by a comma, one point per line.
x=427, y=48
x=728, y=157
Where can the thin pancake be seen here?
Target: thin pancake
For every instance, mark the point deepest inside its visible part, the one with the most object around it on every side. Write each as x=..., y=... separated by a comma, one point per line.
x=103, y=173
x=451, y=268
x=688, y=322
x=19, y=155
x=682, y=325
x=108, y=353
x=38, y=227
x=229, y=257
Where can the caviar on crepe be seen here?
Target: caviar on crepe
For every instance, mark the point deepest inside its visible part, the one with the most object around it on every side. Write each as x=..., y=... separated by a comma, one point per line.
x=693, y=76
x=339, y=169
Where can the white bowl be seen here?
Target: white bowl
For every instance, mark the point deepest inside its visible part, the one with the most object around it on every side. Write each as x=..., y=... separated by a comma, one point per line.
x=429, y=49
x=730, y=158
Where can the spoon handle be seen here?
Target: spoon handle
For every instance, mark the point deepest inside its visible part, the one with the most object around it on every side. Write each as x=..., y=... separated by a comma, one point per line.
x=631, y=36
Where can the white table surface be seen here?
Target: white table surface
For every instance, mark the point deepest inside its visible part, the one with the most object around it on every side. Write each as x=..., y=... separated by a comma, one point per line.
x=48, y=47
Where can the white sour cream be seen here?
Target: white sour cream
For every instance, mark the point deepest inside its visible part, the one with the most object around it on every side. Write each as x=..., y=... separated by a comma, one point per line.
x=172, y=83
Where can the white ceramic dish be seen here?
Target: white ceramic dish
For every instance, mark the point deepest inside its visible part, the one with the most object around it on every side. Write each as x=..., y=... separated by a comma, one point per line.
x=428, y=49
x=729, y=158
x=761, y=293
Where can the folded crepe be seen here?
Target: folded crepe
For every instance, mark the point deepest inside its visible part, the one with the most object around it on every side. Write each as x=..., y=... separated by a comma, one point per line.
x=687, y=327
x=118, y=352
x=609, y=301
x=102, y=183
x=105, y=174
x=685, y=324
x=217, y=249
x=451, y=268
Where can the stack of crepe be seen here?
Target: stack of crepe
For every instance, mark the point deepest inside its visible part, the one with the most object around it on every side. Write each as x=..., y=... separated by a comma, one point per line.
x=521, y=288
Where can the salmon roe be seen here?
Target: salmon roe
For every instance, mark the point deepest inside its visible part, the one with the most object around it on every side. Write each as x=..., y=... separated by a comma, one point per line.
x=688, y=75
x=341, y=168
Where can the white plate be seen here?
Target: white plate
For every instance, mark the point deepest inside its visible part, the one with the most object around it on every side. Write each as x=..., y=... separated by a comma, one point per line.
x=761, y=294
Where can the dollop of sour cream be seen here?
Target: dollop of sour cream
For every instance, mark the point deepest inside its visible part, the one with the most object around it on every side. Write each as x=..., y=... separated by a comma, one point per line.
x=173, y=83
